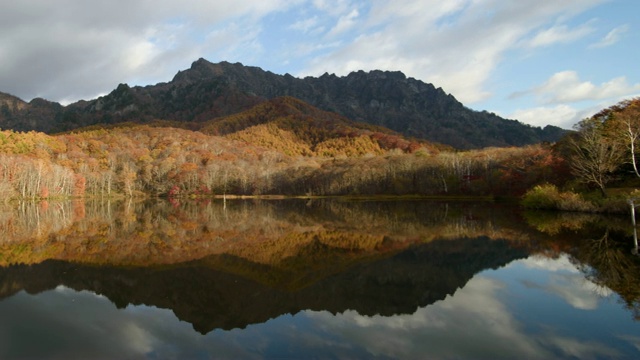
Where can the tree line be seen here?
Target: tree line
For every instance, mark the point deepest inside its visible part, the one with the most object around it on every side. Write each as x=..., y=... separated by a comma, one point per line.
x=137, y=160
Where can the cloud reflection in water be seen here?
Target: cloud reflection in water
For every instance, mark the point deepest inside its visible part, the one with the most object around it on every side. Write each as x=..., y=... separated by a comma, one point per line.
x=481, y=320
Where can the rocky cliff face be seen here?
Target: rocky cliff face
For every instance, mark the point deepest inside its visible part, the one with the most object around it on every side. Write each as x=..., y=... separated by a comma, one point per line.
x=11, y=103
x=385, y=98
x=207, y=91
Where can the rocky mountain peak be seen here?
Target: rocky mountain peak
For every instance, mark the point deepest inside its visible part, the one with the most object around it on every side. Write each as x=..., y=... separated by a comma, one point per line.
x=209, y=90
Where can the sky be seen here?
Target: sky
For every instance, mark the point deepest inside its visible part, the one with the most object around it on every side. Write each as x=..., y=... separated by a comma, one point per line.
x=538, y=61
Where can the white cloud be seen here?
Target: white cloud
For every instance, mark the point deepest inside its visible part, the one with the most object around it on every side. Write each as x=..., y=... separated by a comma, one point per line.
x=611, y=38
x=559, y=34
x=565, y=281
x=335, y=8
x=344, y=23
x=632, y=340
x=474, y=316
x=563, y=116
x=388, y=12
x=567, y=87
x=140, y=341
x=564, y=88
x=305, y=25
x=575, y=290
x=576, y=349
x=235, y=42
x=306, y=49
x=562, y=263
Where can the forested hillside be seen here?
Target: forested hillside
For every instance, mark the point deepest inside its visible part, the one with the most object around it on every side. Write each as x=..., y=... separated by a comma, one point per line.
x=293, y=127
x=131, y=160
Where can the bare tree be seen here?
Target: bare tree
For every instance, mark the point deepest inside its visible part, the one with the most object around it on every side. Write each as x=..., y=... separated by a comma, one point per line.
x=594, y=157
x=627, y=124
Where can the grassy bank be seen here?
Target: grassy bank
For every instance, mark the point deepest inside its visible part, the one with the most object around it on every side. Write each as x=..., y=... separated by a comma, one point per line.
x=549, y=197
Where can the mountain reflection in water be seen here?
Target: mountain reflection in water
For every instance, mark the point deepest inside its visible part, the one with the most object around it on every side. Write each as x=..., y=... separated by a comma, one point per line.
x=210, y=298
x=232, y=266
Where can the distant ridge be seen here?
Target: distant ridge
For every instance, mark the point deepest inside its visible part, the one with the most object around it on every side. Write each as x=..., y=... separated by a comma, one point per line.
x=207, y=91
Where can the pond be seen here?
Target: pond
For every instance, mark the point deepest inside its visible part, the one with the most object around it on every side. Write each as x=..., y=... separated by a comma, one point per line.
x=315, y=279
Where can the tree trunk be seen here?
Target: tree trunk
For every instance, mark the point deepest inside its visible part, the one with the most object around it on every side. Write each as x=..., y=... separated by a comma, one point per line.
x=603, y=192
x=633, y=157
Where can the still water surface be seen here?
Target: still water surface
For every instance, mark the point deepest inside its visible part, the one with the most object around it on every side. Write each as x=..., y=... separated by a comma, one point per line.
x=315, y=279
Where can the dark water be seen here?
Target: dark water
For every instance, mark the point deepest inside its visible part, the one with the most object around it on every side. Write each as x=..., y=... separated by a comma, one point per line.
x=315, y=279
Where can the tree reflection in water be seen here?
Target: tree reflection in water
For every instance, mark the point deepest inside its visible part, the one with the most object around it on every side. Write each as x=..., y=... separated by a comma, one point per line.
x=226, y=266
x=607, y=262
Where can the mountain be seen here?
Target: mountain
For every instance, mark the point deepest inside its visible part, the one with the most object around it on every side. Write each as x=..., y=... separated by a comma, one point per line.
x=390, y=99
x=209, y=91
x=35, y=115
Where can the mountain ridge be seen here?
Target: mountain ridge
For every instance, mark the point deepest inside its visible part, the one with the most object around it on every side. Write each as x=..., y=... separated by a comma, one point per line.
x=207, y=91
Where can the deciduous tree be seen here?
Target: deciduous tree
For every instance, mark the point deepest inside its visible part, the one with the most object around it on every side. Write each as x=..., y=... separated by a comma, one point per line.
x=623, y=120
x=595, y=157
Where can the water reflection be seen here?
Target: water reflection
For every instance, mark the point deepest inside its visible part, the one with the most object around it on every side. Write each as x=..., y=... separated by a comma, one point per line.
x=497, y=315
x=335, y=279
x=210, y=298
x=604, y=251
x=606, y=262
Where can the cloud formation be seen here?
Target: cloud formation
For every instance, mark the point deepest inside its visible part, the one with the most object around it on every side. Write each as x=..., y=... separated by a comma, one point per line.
x=71, y=49
x=558, y=94
x=559, y=34
x=567, y=87
x=611, y=38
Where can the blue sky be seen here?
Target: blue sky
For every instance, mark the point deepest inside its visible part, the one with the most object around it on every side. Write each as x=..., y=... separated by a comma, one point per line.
x=539, y=61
